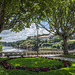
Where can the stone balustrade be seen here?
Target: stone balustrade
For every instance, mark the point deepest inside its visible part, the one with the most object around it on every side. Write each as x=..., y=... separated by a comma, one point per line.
x=29, y=53
x=8, y=54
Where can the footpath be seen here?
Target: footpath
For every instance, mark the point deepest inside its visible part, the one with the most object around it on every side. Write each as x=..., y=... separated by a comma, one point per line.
x=65, y=58
x=51, y=56
x=56, y=56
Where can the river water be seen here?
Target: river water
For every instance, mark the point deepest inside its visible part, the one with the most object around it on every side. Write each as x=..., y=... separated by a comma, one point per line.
x=11, y=49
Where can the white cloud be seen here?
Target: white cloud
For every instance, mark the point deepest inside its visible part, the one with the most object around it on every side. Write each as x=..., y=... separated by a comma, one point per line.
x=8, y=36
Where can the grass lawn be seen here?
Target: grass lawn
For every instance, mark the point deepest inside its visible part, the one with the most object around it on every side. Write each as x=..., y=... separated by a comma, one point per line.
x=47, y=48
x=36, y=62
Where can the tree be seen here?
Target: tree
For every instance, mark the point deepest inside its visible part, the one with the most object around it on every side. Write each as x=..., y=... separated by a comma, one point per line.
x=15, y=13
x=20, y=13
x=59, y=14
x=62, y=20
x=7, y=10
x=0, y=46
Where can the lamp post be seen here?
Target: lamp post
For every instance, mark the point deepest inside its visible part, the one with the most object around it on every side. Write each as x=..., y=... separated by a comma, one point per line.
x=37, y=39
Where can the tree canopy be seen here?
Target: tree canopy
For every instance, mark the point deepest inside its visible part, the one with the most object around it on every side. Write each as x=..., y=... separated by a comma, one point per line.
x=62, y=20
x=59, y=14
x=20, y=13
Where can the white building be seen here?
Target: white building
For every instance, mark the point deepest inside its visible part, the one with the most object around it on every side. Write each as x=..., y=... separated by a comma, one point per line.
x=46, y=37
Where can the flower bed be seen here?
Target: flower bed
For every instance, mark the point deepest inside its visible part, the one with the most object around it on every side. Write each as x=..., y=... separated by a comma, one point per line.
x=66, y=63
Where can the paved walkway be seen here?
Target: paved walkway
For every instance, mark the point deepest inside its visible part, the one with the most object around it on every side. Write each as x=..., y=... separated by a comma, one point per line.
x=65, y=58
x=52, y=56
x=56, y=56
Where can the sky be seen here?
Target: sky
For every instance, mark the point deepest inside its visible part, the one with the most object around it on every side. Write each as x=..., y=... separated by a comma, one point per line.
x=8, y=36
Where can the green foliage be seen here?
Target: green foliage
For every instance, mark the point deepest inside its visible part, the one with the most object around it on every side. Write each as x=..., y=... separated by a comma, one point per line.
x=46, y=44
x=69, y=55
x=50, y=41
x=57, y=39
x=63, y=71
x=1, y=46
x=71, y=44
x=42, y=41
x=28, y=38
x=29, y=43
x=61, y=20
x=22, y=44
x=71, y=38
x=45, y=41
x=0, y=37
x=22, y=13
x=36, y=62
x=56, y=45
x=40, y=44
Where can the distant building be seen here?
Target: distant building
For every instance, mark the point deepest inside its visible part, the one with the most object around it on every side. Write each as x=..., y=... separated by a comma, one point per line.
x=43, y=37
x=47, y=37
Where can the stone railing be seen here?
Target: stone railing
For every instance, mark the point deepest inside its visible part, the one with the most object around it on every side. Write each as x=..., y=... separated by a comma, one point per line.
x=28, y=53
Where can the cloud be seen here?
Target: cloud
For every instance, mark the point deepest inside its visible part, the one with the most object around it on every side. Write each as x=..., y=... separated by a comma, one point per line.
x=8, y=36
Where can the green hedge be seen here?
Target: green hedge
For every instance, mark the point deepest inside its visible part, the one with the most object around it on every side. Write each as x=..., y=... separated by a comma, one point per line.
x=71, y=38
x=50, y=41
x=56, y=45
x=57, y=38
x=40, y=44
x=1, y=48
x=46, y=44
x=71, y=44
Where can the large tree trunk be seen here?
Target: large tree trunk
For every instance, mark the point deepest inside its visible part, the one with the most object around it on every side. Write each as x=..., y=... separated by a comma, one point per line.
x=2, y=21
x=65, y=50
x=2, y=15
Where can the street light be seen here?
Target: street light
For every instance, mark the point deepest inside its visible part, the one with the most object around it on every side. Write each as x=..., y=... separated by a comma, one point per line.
x=37, y=39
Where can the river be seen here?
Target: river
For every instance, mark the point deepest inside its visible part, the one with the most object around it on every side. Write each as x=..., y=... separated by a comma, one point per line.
x=11, y=49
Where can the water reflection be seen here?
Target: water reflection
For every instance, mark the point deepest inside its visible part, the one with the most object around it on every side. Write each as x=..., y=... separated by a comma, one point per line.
x=11, y=49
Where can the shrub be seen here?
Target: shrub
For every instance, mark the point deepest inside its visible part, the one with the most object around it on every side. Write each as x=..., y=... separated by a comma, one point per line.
x=58, y=47
x=54, y=46
x=40, y=44
x=57, y=39
x=46, y=44
x=71, y=44
x=71, y=38
x=1, y=48
x=50, y=41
